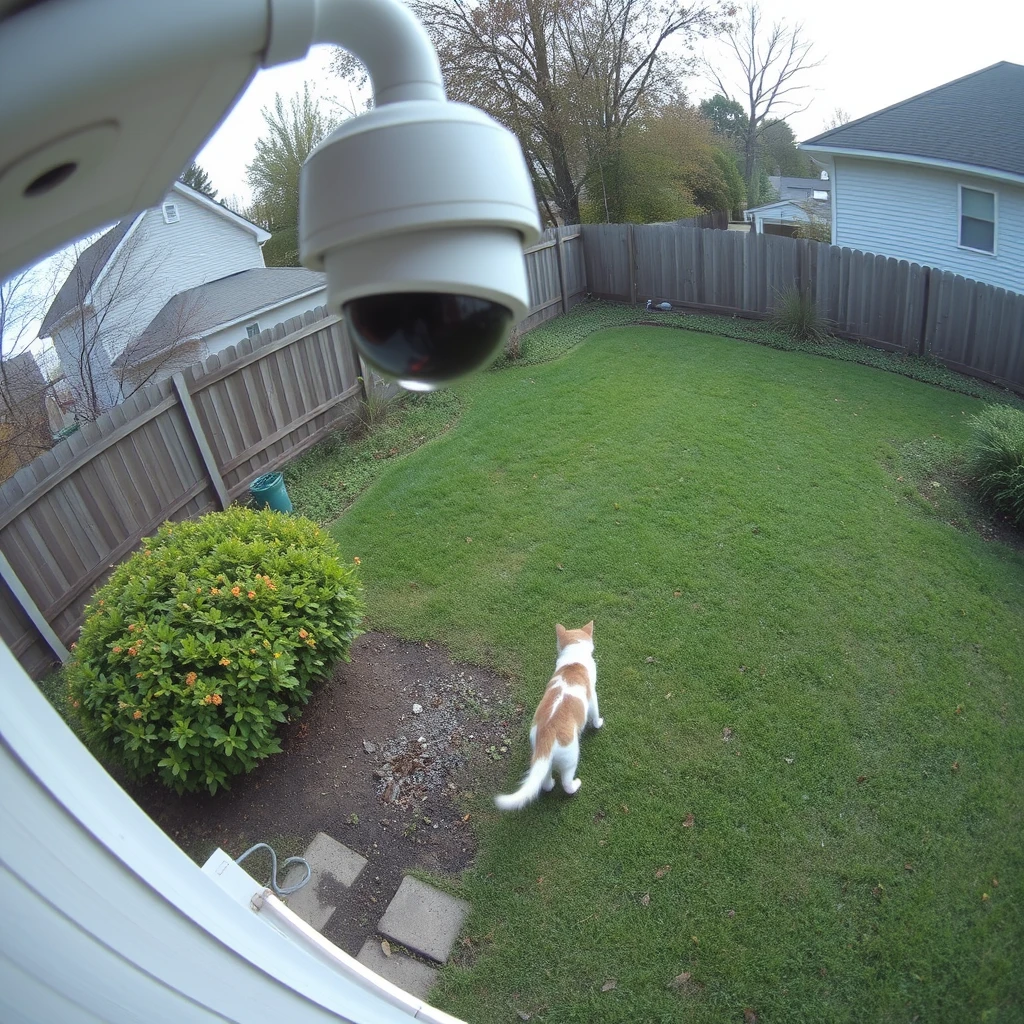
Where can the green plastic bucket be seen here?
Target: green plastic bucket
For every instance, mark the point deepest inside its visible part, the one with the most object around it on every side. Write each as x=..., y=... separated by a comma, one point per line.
x=269, y=491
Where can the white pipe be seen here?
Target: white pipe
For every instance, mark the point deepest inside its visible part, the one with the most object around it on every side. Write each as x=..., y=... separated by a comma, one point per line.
x=391, y=43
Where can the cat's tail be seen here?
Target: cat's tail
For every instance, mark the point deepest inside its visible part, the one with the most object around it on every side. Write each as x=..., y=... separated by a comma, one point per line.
x=529, y=790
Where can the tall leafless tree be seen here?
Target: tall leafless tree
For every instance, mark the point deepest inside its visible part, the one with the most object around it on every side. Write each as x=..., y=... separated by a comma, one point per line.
x=768, y=59
x=24, y=425
x=837, y=120
x=566, y=76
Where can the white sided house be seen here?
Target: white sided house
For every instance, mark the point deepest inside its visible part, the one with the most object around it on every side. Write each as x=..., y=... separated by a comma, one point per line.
x=937, y=179
x=801, y=201
x=164, y=289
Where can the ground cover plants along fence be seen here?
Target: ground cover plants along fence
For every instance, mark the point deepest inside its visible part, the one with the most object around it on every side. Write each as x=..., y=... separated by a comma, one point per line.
x=971, y=327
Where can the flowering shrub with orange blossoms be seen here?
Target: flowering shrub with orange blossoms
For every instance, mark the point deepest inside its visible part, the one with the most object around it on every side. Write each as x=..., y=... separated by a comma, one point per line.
x=208, y=638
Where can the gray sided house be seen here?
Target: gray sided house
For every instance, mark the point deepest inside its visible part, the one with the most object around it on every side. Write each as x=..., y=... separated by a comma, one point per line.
x=164, y=289
x=937, y=179
x=801, y=201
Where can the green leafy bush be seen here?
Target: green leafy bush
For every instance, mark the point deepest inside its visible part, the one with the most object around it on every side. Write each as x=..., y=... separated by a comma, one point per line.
x=209, y=637
x=996, y=458
x=797, y=315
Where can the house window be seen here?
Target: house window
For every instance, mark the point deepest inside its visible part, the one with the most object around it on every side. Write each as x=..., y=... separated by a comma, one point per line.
x=252, y=331
x=977, y=219
x=171, y=213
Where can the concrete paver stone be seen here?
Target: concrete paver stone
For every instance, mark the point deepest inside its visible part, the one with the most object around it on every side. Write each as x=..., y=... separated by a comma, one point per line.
x=415, y=977
x=326, y=857
x=423, y=918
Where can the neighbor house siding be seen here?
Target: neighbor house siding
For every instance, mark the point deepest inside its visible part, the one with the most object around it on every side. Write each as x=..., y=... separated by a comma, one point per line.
x=220, y=340
x=92, y=380
x=912, y=213
x=159, y=260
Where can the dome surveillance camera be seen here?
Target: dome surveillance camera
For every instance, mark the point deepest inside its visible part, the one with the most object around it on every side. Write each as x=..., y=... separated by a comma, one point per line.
x=418, y=212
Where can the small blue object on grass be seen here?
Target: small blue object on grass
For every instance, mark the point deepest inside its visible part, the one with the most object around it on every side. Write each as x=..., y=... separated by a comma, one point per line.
x=665, y=307
x=268, y=491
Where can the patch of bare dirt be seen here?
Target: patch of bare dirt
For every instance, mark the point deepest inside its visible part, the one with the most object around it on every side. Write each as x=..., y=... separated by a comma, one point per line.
x=385, y=758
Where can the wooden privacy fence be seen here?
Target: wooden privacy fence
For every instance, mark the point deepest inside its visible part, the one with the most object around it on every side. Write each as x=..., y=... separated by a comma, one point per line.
x=173, y=450
x=188, y=445
x=972, y=327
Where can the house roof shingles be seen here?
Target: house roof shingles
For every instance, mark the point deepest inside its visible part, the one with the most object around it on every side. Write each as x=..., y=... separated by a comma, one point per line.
x=195, y=312
x=976, y=120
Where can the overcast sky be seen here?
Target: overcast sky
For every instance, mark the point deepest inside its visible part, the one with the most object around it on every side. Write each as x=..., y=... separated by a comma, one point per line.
x=875, y=52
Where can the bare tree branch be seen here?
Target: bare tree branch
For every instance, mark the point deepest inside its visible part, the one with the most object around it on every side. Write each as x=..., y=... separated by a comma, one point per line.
x=768, y=61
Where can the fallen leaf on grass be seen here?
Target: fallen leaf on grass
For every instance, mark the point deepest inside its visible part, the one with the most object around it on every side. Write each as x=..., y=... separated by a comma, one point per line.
x=680, y=980
x=861, y=778
x=730, y=913
x=788, y=760
x=878, y=891
x=688, y=821
x=650, y=661
x=908, y=866
x=677, y=593
x=645, y=900
x=726, y=734
x=523, y=1015
x=625, y=809
x=385, y=947
x=469, y=540
x=695, y=940
x=955, y=766
x=609, y=985
x=663, y=871
x=749, y=1016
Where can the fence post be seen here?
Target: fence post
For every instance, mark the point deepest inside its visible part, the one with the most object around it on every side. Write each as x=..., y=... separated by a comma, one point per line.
x=205, y=451
x=31, y=609
x=560, y=257
x=631, y=258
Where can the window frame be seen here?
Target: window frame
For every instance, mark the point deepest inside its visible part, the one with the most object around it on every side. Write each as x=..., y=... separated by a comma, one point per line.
x=171, y=213
x=252, y=330
x=960, y=219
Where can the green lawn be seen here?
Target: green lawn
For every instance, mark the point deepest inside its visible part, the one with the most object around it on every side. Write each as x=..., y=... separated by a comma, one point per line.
x=728, y=515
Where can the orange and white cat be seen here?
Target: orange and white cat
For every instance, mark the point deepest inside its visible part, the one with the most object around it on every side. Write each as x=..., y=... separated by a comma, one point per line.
x=568, y=705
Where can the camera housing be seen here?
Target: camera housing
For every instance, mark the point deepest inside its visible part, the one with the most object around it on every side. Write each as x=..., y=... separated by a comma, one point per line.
x=418, y=212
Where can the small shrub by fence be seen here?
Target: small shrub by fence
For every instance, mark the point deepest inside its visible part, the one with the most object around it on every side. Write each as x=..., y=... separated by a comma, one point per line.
x=188, y=445
x=972, y=327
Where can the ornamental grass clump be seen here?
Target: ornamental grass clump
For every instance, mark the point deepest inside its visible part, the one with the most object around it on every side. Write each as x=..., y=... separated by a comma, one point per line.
x=995, y=455
x=208, y=638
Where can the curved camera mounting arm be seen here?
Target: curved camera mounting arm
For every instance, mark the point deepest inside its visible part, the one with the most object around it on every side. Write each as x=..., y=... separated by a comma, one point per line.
x=103, y=103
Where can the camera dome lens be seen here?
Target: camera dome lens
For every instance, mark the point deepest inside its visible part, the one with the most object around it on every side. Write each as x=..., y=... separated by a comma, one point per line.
x=424, y=339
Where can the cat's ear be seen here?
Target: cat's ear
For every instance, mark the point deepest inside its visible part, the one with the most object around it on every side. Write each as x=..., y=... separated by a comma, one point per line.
x=589, y=628
x=560, y=635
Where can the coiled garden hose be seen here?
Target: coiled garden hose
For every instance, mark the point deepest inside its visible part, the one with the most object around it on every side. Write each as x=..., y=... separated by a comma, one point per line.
x=273, y=868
